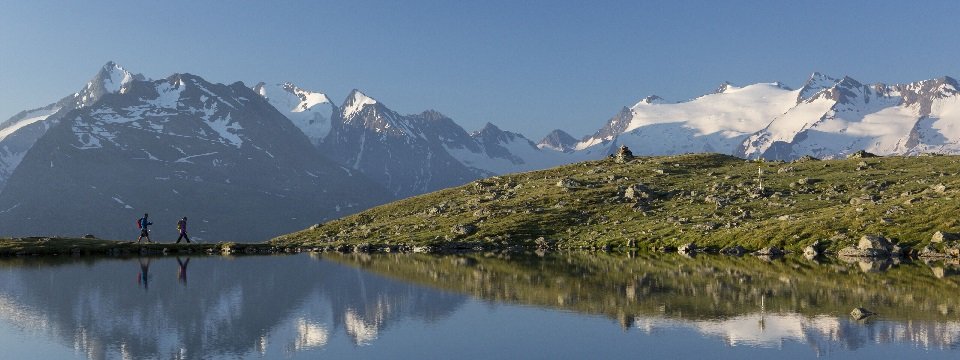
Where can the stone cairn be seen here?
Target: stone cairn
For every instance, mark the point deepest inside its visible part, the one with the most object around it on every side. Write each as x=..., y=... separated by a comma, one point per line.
x=623, y=155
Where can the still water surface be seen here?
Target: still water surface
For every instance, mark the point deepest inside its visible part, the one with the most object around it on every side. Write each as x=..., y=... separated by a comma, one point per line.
x=483, y=307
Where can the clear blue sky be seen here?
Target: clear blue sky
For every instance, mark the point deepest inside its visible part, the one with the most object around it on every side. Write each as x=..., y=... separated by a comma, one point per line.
x=528, y=66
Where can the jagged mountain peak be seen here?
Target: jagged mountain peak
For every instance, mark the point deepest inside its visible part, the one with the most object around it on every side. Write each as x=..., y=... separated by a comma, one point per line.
x=558, y=140
x=111, y=78
x=849, y=82
x=355, y=102
x=433, y=115
x=815, y=84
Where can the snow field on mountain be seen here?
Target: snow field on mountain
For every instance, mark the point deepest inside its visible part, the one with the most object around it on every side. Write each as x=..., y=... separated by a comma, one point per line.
x=30, y=118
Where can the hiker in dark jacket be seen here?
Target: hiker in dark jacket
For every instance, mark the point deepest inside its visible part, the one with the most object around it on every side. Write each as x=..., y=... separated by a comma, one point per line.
x=182, y=228
x=143, y=223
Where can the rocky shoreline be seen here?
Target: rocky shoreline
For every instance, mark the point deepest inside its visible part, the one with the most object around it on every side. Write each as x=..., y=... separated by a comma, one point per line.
x=943, y=245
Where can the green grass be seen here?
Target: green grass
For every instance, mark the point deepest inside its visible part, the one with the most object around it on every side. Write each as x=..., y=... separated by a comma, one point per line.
x=697, y=198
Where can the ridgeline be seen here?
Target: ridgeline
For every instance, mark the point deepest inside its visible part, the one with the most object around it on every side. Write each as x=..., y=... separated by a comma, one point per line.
x=660, y=203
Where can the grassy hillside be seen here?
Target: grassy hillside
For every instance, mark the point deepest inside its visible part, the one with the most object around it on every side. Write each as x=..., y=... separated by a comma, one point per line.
x=649, y=202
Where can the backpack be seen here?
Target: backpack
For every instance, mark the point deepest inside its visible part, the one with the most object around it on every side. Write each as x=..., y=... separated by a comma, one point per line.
x=138, y=224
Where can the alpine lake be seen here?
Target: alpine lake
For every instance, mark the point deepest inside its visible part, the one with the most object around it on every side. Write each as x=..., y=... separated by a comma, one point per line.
x=476, y=306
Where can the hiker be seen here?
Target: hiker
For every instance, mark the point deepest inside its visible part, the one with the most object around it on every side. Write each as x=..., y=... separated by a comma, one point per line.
x=143, y=224
x=182, y=228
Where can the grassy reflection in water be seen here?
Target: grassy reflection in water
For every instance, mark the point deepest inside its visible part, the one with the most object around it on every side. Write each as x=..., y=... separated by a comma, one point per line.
x=704, y=287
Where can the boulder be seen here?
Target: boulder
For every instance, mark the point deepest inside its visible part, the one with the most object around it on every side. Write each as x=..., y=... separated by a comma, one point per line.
x=636, y=192
x=874, y=242
x=735, y=250
x=941, y=236
x=806, y=158
x=464, y=229
x=688, y=248
x=89, y=236
x=861, y=155
x=930, y=252
x=568, y=183
x=770, y=251
x=861, y=313
x=623, y=155
x=812, y=250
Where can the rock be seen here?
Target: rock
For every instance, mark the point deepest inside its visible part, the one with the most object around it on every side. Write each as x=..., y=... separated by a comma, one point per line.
x=543, y=243
x=812, y=250
x=636, y=192
x=861, y=313
x=896, y=250
x=930, y=252
x=735, y=250
x=874, y=242
x=568, y=183
x=89, y=236
x=464, y=229
x=939, y=188
x=861, y=155
x=422, y=249
x=941, y=236
x=687, y=248
x=851, y=251
x=623, y=155
x=315, y=226
x=806, y=158
x=770, y=251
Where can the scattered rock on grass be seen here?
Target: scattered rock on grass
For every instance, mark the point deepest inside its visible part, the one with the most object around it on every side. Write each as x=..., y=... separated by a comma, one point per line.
x=770, y=251
x=464, y=229
x=861, y=155
x=941, y=236
x=688, y=248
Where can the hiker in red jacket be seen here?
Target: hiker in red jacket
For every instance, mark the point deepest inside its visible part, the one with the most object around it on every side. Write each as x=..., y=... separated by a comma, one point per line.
x=182, y=228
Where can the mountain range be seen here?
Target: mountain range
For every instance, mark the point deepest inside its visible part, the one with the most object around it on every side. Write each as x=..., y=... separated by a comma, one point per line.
x=252, y=162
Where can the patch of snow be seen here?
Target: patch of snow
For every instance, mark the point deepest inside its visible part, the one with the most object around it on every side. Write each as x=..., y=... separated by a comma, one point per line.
x=30, y=118
x=356, y=103
x=125, y=206
x=227, y=129
x=187, y=159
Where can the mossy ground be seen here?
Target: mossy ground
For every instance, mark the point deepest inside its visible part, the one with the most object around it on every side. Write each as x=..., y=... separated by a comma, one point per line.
x=710, y=199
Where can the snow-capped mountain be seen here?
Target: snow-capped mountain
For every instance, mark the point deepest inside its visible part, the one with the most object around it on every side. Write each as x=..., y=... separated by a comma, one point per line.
x=827, y=117
x=848, y=116
x=411, y=154
x=180, y=146
x=310, y=111
x=717, y=122
x=20, y=132
x=405, y=154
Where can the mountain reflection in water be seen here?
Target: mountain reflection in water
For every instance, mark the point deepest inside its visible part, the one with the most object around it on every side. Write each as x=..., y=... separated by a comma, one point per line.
x=281, y=306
